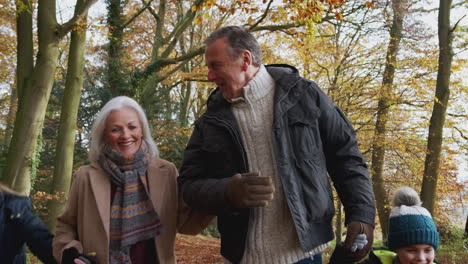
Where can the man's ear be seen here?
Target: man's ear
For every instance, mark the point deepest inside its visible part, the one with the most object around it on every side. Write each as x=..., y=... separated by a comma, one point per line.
x=246, y=59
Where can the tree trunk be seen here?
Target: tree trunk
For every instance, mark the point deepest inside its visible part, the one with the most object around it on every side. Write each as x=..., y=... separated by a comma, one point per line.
x=466, y=230
x=34, y=98
x=115, y=73
x=68, y=117
x=385, y=100
x=24, y=61
x=10, y=118
x=436, y=125
x=339, y=222
x=33, y=102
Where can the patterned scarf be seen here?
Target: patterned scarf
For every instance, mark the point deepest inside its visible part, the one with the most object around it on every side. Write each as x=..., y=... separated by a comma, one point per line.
x=133, y=217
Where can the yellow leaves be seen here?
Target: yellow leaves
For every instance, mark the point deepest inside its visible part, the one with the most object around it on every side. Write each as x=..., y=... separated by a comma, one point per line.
x=198, y=20
x=210, y=3
x=250, y=20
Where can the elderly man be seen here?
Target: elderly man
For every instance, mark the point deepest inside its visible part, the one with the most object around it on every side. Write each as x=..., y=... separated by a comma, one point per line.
x=259, y=159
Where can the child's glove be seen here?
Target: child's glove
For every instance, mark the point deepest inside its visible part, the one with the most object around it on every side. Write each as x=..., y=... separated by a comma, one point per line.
x=359, y=243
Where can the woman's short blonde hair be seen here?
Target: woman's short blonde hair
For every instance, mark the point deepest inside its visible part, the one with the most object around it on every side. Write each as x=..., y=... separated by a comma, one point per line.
x=97, y=131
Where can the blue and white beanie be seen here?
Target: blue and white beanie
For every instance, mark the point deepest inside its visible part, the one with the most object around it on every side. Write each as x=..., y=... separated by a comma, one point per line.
x=409, y=222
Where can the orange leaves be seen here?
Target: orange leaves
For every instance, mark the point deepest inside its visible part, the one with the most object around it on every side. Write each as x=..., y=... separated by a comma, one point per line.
x=40, y=200
x=207, y=5
x=370, y=4
x=197, y=249
x=338, y=16
x=299, y=10
x=334, y=2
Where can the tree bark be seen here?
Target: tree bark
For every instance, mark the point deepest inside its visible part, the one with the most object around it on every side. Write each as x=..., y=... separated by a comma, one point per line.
x=24, y=61
x=34, y=98
x=68, y=117
x=466, y=230
x=339, y=222
x=385, y=101
x=115, y=72
x=442, y=93
x=33, y=102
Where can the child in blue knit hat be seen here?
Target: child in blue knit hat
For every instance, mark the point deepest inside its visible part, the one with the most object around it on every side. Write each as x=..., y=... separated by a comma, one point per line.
x=412, y=235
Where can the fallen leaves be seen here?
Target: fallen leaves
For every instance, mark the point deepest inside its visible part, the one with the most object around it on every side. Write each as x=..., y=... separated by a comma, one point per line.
x=197, y=250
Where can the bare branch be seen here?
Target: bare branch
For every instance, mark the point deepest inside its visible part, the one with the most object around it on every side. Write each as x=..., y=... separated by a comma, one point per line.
x=159, y=63
x=263, y=15
x=137, y=14
x=177, y=68
x=456, y=24
x=77, y=18
x=156, y=16
x=278, y=27
x=196, y=80
x=460, y=132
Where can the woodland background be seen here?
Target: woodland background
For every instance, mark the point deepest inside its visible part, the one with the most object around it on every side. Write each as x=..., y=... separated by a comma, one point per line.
x=397, y=69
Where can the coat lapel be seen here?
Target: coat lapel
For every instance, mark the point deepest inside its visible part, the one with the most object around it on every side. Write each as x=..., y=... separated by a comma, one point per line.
x=100, y=185
x=155, y=185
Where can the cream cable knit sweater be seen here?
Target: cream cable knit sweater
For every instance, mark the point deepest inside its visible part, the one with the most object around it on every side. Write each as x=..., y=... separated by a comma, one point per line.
x=271, y=236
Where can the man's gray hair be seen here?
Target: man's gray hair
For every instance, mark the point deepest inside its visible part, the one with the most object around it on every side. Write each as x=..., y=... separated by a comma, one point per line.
x=97, y=131
x=239, y=39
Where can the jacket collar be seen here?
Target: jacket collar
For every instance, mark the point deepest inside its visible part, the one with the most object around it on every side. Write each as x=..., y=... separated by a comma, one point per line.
x=285, y=77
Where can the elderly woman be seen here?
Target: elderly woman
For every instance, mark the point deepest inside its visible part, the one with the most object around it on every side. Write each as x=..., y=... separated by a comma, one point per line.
x=123, y=207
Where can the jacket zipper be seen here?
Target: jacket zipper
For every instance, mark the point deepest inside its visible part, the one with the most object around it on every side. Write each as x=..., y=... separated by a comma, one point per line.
x=235, y=136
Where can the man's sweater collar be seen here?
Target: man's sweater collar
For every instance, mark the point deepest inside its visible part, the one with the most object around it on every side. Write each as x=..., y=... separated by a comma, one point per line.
x=261, y=85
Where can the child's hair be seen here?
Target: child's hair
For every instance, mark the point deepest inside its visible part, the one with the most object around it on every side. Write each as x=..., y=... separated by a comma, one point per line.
x=410, y=223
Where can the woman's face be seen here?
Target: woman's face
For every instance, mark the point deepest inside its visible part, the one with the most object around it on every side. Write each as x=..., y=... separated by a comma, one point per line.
x=123, y=131
x=416, y=254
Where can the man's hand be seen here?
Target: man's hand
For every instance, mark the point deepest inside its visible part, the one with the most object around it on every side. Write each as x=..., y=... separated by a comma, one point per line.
x=248, y=190
x=358, y=241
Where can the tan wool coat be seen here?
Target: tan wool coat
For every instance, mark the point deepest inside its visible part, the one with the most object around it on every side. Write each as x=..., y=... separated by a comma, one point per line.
x=85, y=222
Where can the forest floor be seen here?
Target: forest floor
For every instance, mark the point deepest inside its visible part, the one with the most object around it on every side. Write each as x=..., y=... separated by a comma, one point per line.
x=197, y=250
x=205, y=250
